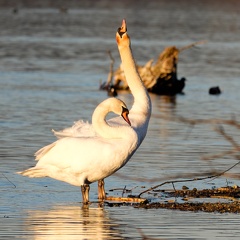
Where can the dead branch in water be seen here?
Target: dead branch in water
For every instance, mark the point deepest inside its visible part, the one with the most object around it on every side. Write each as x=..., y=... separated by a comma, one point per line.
x=195, y=176
x=231, y=194
x=190, y=180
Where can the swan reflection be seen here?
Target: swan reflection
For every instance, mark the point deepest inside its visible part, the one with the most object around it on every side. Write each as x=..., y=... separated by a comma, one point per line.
x=71, y=222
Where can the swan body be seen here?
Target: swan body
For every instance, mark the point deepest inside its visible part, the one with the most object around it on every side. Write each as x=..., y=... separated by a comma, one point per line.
x=72, y=159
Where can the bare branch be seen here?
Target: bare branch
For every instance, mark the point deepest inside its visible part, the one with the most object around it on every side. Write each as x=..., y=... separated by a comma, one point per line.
x=192, y=45
x=189, y=180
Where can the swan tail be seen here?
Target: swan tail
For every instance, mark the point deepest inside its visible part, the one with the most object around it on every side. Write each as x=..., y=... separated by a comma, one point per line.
x=34, y=172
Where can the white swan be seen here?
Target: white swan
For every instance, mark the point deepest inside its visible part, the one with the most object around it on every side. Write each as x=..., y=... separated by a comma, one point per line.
x=139, y=115
x=141, y=109
x=83, y=160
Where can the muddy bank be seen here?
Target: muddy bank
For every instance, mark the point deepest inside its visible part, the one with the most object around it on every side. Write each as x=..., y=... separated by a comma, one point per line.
x=231, y=207
x=221, y=200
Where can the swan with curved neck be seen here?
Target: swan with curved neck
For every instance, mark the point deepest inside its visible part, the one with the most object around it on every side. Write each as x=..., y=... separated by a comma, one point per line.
x=100, y=124
x=100, y=135
x=73, y=160
x=141, y=109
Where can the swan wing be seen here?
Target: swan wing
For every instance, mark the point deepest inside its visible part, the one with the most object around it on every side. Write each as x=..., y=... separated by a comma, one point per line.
x=85, y=129
x=78, y=129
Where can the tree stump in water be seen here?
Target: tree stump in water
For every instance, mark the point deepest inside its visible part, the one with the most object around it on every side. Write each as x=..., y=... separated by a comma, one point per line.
x=160, y=78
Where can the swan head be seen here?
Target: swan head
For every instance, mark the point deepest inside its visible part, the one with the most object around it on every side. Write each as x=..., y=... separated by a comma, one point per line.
x=119, y=107
x=110, y=105
x=121, y=35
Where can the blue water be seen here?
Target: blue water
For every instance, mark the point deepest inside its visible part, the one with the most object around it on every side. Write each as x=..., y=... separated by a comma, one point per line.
x=51, y=66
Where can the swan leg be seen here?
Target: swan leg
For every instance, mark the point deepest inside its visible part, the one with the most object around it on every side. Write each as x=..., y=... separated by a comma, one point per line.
x=85, y=193
x=101, y=190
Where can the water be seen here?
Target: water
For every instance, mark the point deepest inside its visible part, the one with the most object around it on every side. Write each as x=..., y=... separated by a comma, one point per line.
x=51, y=65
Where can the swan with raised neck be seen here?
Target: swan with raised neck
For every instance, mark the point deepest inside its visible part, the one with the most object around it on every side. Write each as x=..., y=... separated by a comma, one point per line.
x=141, y=110
x=139, y=113
x=107, y=148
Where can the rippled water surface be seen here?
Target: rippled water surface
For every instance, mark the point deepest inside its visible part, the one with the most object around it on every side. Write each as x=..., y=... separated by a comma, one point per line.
x=51, y=65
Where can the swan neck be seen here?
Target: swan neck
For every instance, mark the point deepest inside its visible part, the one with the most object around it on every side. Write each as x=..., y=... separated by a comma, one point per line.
x=142, y=102
x=101, y=126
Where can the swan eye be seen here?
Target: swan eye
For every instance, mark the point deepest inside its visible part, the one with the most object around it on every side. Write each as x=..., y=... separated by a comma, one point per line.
x=125, y=110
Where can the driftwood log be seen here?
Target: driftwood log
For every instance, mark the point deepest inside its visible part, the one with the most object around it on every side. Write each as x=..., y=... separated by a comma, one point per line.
x=160, y=78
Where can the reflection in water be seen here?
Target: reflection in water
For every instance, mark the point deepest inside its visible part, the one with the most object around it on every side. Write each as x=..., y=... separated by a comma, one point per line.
x=164, y=104
x=49, y=78
x=171, y=100
x=71, y=222
x=163, y=110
